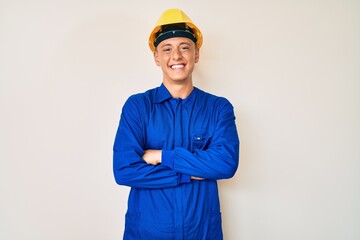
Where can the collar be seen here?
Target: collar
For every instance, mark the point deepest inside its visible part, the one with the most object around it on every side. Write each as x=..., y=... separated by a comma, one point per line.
x=162, y=94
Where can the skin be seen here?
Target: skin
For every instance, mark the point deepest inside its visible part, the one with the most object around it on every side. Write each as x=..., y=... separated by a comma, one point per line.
x=177, y=58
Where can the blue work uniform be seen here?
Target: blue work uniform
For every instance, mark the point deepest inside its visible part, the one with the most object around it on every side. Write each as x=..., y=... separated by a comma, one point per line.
x=198, y=137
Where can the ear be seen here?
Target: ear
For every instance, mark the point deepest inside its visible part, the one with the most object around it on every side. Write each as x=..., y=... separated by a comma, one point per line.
x=156, y=58
x=197, y=55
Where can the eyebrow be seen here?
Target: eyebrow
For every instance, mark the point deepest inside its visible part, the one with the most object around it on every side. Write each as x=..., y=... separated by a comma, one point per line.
x=170, y=45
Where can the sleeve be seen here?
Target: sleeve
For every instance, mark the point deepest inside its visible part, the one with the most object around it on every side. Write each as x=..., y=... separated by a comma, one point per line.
x=219, y=161
x=128, y=166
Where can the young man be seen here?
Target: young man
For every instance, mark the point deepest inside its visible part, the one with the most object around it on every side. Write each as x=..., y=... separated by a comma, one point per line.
x=173, y=143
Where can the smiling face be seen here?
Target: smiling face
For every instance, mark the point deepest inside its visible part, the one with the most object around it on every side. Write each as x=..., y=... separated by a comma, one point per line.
x=177, y=57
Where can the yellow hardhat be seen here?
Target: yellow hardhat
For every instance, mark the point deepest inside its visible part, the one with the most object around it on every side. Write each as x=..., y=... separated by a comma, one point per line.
x=174, y=16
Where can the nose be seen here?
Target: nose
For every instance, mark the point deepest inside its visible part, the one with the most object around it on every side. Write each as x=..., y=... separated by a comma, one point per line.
x=176, y=54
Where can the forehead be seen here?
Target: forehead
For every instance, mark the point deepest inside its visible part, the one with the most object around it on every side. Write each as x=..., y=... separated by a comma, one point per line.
x=175, y=41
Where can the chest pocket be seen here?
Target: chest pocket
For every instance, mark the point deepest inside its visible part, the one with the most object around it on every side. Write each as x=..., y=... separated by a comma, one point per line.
x=200, y=139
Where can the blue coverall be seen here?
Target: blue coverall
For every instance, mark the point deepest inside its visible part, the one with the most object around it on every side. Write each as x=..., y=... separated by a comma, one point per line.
x=198, y=137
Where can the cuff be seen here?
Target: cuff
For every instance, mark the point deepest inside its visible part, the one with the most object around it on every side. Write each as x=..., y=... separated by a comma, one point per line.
x=183, y=178
x=167, y=158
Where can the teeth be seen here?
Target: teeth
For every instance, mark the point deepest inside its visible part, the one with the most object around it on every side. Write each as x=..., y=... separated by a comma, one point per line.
x=177, y=66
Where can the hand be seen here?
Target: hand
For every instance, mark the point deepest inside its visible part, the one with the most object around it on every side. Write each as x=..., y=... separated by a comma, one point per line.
x=196, y=178
x=152, y=157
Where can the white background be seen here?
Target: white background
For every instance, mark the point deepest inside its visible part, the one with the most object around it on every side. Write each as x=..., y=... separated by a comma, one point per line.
x=291, y=69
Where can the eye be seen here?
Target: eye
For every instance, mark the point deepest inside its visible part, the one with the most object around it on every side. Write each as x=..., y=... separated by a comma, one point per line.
x=184, y=48
x=166, y=50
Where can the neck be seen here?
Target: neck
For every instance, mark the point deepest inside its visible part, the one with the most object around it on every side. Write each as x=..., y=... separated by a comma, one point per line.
x=179, y=90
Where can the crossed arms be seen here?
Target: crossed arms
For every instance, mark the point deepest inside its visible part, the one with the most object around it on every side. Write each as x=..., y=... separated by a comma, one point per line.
x=154, y=168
